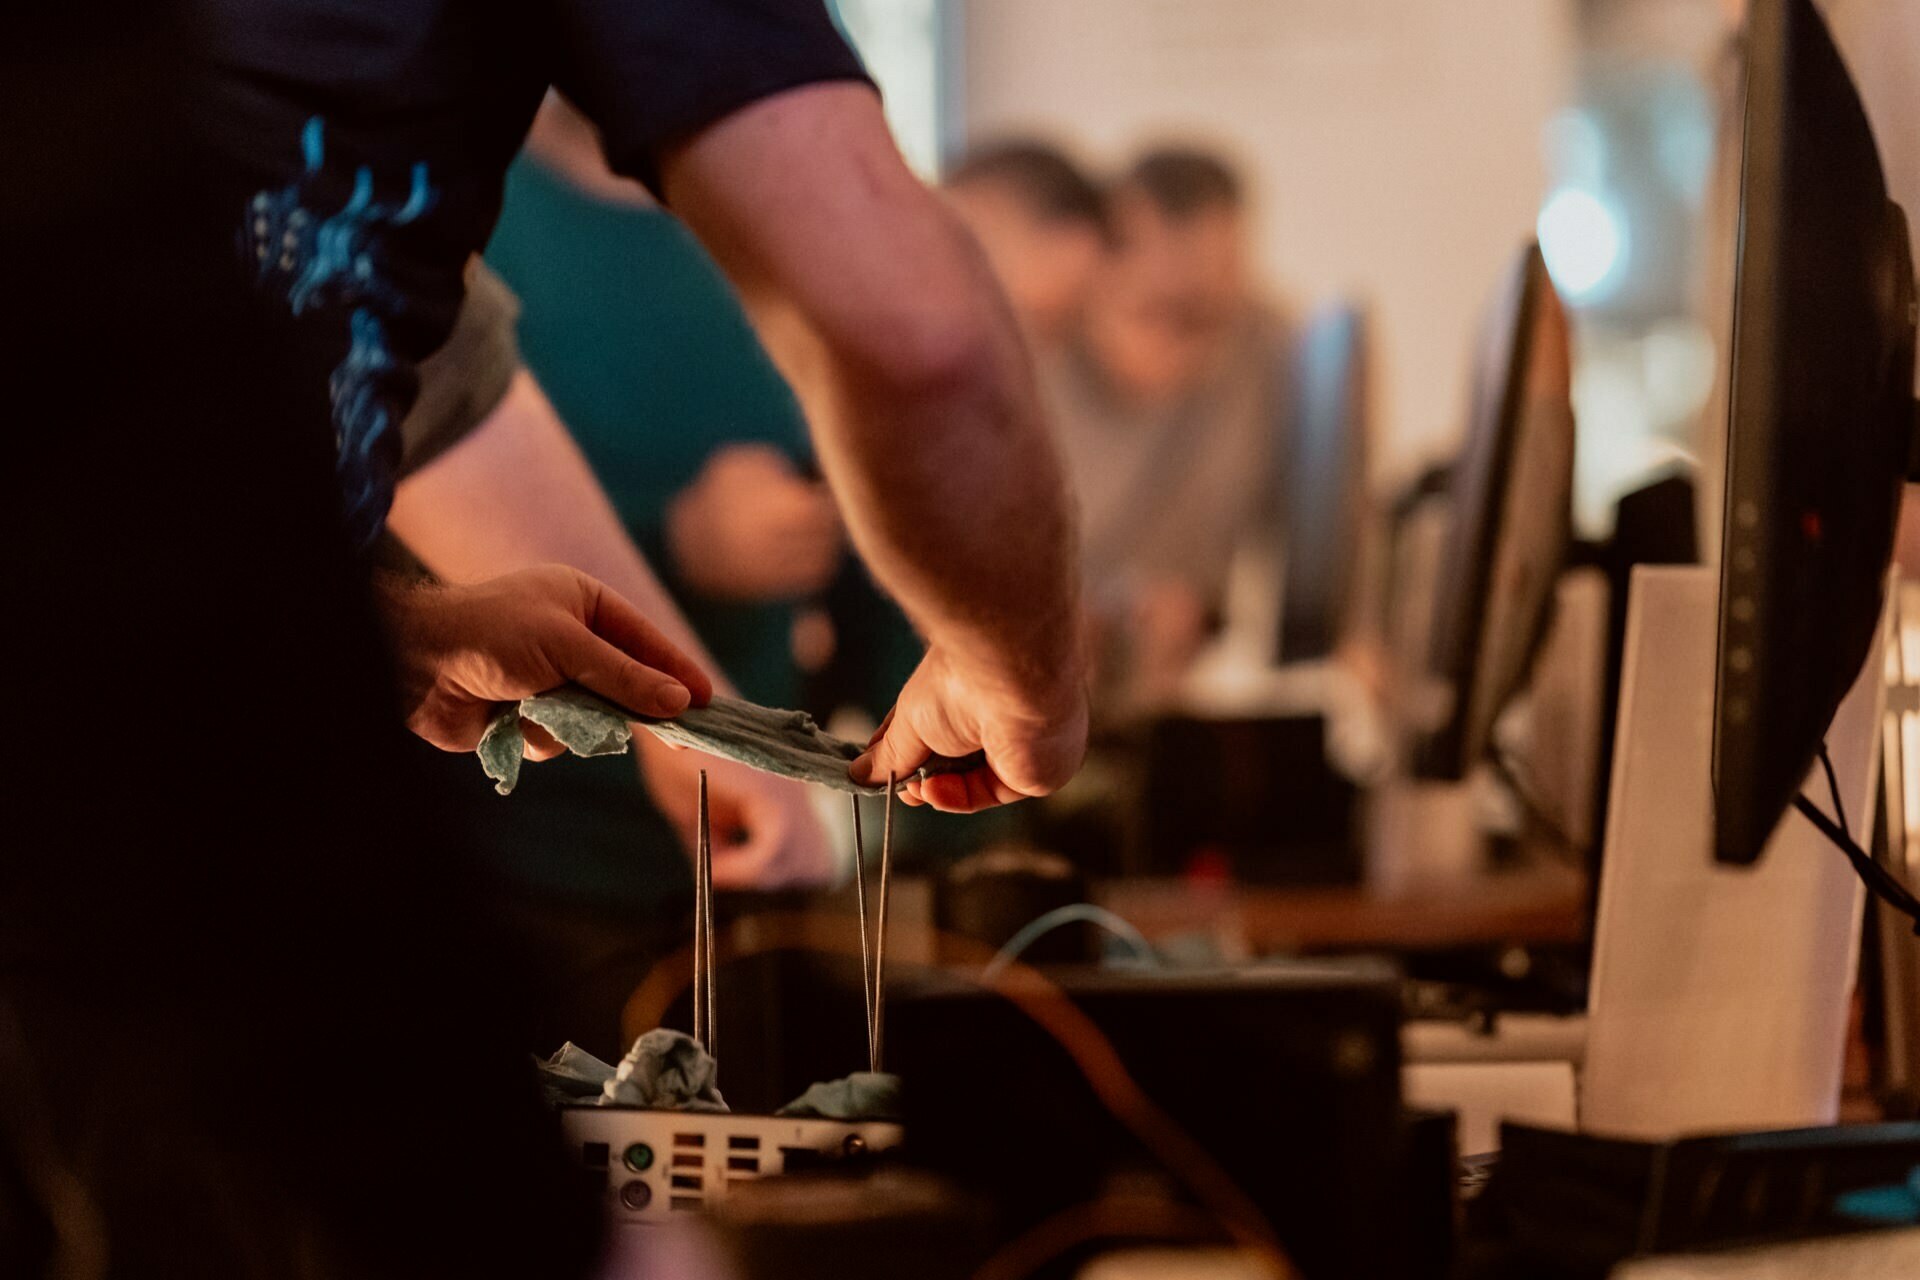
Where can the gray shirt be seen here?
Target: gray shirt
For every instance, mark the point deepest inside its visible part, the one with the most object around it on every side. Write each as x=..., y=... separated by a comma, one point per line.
x=467, y=378
x=1171, y=492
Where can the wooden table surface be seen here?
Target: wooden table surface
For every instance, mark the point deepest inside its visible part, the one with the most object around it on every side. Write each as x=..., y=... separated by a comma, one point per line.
x=1545, y=903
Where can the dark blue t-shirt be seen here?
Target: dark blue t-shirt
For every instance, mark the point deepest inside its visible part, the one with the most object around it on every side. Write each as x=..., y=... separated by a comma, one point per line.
x=365, y=145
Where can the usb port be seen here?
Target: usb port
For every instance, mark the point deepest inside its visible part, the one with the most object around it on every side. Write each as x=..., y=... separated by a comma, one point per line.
x=688, y=1159
x=744, y=1142
x=689, y=1139
x=750, y=1164
x=686, y=1182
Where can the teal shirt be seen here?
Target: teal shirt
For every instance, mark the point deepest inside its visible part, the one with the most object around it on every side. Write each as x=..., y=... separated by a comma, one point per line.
x=645, y=353
x=643, y=348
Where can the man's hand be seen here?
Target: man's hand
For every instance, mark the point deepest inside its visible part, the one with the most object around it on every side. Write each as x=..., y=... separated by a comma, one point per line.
x=463, y=650
x=921, y=399
x=765, y=832
x=750, y=528
x=1034, y=741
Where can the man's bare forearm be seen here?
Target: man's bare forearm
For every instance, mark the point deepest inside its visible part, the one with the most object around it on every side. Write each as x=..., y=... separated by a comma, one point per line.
x=881, y=311
x=955, y=497
x=517, y=493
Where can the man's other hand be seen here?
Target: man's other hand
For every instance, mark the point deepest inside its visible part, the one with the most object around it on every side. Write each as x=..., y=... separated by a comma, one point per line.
x=1034, y=740
x=765, y=832
x=462, y=650
x=750, y=527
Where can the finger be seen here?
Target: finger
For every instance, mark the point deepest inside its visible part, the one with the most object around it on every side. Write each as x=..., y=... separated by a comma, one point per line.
x=898, y=753
x=886, y=722
x=968, y=792
x=613, y=619
x=746, y=865
x=585, y=658
x=539, y=744
x=732, y=828
x=755, y=833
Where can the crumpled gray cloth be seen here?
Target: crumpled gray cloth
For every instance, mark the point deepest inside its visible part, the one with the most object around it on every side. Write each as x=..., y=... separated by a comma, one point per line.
x=668, y=1071
x=664, y=1071
x=579, y=721
x=864, y=1095
x=572, y=1075
x=787, y=743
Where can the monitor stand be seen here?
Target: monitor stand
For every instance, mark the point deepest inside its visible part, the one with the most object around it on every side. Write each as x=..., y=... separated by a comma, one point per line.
x=1897, y=1081
x=1720, y=994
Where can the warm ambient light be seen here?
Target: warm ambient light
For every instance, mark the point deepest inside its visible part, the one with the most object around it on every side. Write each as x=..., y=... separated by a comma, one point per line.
x=1583, y=240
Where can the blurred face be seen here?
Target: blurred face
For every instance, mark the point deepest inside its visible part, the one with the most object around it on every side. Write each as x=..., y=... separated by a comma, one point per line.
x=1163, y=310
x=1045, y=265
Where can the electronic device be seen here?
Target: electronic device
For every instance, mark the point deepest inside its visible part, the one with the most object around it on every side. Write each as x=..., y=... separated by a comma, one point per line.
x=852, y=1223
x=654, y=1165
x=1821, y=425
x=1565, y=1204
x=1511, y=503
x=1324, y=509
x=1721, y=988
x=1285, y=1077
x=651, y=1164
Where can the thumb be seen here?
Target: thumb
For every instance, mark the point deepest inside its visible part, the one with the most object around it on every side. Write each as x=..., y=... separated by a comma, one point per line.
x=897, y=751
x=747, y=835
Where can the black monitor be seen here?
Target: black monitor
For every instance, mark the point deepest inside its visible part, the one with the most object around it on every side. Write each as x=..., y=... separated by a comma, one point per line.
x=1325, y=507
x=1511, y=500
x=1821, y=428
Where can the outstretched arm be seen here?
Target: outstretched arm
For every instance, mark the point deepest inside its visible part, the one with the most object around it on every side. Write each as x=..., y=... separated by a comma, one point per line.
x=880, y=309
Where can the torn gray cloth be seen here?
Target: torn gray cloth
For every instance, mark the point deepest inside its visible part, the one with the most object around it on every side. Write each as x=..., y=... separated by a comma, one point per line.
x=583, y=723
x=864, y=1095
x=787, y=743
x=664, y=1071
x=572, y=1075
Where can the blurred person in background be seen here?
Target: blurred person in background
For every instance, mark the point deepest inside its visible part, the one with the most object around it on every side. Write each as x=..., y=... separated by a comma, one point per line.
x=1043, y=224
x=1169, y=405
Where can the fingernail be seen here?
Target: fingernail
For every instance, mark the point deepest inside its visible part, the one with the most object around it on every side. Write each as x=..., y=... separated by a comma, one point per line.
x=672, y=699
x=861, y=770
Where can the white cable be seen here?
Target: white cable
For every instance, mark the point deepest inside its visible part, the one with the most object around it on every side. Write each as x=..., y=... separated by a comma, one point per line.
x=1078, y=913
